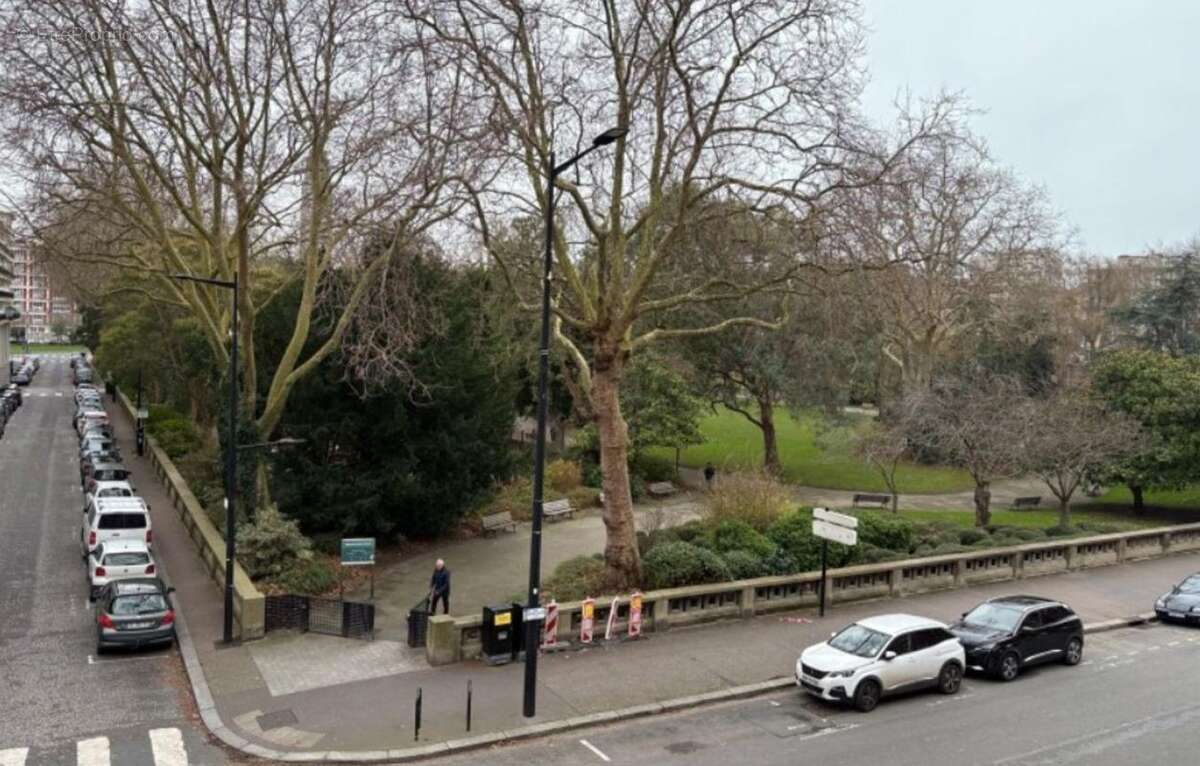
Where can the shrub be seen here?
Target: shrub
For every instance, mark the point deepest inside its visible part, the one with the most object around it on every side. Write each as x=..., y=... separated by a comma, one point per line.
x=933, y=535
x=592, y=476
x=1028, y=535
x=689, y=531
x=564, y=475
x=671, y=565
x=792, y=532
x=780, y=563
x=1057, y=531
x=637, y=487
x=309, y=577
x=755, y=499
x=1099, y=528
x=972, y=536
x=584, y=497
x=576, y=579
x=176, y=436
x=514, y=496
x=987, y=541
x=739, y=536
x=949, y=548
x=743, y=565
x=873, y=554
x=327, y=543
x=271, y=544
x=885, y=531
x=653, y=467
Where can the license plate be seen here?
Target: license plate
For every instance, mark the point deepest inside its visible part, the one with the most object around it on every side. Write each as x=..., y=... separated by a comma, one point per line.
x=808, y=679
x=139, y=625
x=1175, y=615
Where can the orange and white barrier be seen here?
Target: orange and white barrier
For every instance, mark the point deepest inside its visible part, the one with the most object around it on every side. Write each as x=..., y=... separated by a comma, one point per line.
x=587, y=621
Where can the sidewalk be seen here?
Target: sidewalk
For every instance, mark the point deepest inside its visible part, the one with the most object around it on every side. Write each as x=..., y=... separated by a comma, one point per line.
x=339, y=695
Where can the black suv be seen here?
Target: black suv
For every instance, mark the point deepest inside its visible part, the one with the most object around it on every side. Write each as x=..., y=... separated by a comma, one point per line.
x=1005, y=634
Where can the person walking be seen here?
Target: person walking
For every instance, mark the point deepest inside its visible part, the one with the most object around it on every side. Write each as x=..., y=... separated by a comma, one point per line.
x=439, y=588
x=709, y=473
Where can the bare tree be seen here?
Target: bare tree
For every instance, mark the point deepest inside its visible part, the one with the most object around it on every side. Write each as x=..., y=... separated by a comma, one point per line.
x=958, y=230
x=883, y=446
x=746, y=101
x=250, y=139
x=1073, y=437
x=980, y=423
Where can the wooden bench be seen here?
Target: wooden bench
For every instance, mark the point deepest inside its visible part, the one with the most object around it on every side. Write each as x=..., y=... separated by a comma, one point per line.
x=557, y=509
x=661, y=488
x=1026, y=502
x=883, y=501
x=496, y=521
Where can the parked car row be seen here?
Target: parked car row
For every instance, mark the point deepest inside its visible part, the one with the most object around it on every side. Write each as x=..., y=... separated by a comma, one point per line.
x=26, y=368
x=116, y=536
x=891, y=654
x=10, y=401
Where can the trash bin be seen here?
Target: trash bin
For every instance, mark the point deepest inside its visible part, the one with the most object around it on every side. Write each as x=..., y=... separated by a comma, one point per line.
x=496, y=634
x=418, y=623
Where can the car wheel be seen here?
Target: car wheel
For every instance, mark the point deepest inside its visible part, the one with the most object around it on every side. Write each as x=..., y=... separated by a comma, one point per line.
x=1074, y=652
x=866, y=696
x=1009, y=667
x=950, y=679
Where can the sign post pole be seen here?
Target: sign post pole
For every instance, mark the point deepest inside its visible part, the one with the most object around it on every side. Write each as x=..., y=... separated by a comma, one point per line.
x=824, y=563
x=839, y=527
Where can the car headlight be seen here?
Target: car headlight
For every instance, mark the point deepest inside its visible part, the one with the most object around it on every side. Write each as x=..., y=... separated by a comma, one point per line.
x=842, y=673
x=1160, y=604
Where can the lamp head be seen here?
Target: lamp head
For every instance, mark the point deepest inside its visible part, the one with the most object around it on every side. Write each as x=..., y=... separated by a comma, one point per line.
x=608, y=136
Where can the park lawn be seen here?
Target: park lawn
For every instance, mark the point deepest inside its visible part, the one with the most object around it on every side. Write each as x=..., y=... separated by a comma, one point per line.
x=1046, y=518
x=734, y=443
x=1182, y=499
x=47, y=348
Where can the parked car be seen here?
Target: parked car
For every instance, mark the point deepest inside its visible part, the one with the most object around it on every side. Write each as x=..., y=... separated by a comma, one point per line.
x=97, y=431
x=89, y=462
x=22, y=378
x=115, y=518
x=15, y=390
x=134, y=612
x=117, y=560
x=1006, y=634
x=88, y=417
x=882, y=655
x=1182, y=604
x=105, y=472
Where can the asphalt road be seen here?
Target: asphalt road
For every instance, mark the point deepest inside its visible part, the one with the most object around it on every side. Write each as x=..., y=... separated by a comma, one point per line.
x=1135, y=699
x=59, y=703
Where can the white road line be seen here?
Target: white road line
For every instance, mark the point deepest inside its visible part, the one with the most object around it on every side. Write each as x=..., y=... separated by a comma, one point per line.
x=1153, y=648
x=92, y=752
x=13, y=756
x=595, y=750
x=774, y=703
x=823, y=732
x=168, y=747
x=1175, y=643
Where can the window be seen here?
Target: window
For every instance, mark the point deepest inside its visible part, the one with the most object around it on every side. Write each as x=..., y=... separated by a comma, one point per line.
x=859, y=641
x=127, y=559
x=125, y=606
x=1055, y=614
x=123, y=521
x=930, y=637
x=1033, y=619
x=901, y=644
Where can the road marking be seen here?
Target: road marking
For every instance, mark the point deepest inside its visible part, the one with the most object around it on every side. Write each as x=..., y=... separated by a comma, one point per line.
x=774, y=703
x=1153, y=648
x=823, y=732
x=58, y=393
x=110, y=660
x=13, y=756
x=1175, y=643
x=167, y=745
x=92, y=752
x=595, y=750
x=1134, y=653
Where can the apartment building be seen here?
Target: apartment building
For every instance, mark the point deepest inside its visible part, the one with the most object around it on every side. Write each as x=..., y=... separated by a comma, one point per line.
x=42, y=308
x=8, y=314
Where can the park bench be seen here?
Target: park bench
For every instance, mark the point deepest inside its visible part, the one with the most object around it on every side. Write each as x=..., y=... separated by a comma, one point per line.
x=883, y=501
x=1026, y=502
x=495, y=521
x=661, y=488
x=557, y=509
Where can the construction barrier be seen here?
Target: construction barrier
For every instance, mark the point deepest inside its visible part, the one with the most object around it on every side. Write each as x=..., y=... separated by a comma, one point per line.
x=588, y=617
x=550, y=626
x=612, y=618
x=635, y=615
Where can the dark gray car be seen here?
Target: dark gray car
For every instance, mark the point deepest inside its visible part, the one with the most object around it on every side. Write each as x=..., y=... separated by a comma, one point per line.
x=134, y=612
x=1182, y=604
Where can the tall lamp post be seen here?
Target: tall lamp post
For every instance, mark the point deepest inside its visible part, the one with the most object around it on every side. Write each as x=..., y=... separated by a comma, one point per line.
x=230, y=450
x=533, y=623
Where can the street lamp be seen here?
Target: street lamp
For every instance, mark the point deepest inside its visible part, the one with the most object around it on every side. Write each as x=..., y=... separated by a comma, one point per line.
x=533, y=624
x=230, y=451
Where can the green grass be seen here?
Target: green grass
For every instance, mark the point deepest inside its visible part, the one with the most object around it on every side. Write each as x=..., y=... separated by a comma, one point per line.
x=734, y=443
x=1043, y=519
x=1182, y=499
x=46, y=348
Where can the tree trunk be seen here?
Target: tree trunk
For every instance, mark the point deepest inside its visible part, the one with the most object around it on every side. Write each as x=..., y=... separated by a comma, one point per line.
x=770, y=443
x=1064, y=512
x=1139, y=502
x=983, y=500
x=895, y=500
x=620, y=548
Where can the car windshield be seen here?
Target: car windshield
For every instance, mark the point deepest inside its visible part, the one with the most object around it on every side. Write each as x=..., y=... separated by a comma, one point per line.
x=115, y=492
x=994, y=616
x=130, y=559
x=1191, y=585
x=140, y=604
x=859, y=641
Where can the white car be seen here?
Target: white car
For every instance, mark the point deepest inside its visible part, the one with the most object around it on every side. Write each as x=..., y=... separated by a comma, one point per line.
x=118, y=560
x=115, y=518
x=882, y=655
x=109, y=489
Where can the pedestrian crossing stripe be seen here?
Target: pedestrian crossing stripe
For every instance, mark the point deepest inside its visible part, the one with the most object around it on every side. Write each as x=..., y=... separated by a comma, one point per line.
x=166, y=747
x=14, y=756
x=92, y=752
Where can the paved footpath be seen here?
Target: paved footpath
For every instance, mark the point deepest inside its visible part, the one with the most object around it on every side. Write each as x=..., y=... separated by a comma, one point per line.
x=307, y=693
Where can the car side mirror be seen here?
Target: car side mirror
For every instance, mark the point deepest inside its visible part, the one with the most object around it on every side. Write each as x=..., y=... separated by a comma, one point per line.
x=964, y=615
x=834, y=633
x=171, y=590
x=889, y=656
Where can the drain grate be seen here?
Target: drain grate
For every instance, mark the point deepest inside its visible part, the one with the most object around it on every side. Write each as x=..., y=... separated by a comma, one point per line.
x=277, y=719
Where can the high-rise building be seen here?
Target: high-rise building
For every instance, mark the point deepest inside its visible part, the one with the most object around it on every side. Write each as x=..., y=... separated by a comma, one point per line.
x=42, y=309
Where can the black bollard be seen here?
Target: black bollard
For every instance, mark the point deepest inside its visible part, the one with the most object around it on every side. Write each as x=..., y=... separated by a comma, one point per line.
x=417, y=730
x=468, y=704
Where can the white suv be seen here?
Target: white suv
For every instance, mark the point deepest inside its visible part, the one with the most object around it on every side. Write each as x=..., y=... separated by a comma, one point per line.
x=115, y=518
x=882, y=655
x=118, y=560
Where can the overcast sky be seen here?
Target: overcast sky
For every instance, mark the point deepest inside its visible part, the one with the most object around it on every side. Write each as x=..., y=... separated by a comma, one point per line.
x=1096, y=100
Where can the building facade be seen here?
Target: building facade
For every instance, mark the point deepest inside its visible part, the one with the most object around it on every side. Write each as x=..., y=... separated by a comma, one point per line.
x=8, y=314
x=42, y=309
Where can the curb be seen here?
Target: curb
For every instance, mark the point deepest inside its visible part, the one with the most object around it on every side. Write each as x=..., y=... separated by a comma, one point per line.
x=212, y=719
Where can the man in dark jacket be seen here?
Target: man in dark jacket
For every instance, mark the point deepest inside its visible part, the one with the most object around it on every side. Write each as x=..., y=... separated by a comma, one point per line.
x=439, y=588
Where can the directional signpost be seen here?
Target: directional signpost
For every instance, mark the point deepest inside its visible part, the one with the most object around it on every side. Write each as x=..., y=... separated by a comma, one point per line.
x=839, y=527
